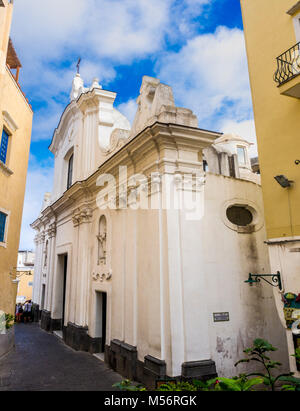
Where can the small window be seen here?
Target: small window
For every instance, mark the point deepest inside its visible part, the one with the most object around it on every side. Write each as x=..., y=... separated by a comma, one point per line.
x=239, y=215
x=4, y=146
x=241, y=152
x=70, y=172
x=3, y=218
x=30, y=284
x=205, y=166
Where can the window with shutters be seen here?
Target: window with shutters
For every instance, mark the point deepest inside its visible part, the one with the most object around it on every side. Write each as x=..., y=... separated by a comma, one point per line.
x=3, y=220
x=4, y=146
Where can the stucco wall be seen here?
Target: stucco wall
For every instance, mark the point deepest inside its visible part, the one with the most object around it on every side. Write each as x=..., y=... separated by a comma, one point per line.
x=269, y=32
x=7, y=342
x=12, y=187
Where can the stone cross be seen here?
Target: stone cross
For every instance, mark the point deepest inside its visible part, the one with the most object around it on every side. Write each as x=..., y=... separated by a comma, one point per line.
x=78, y=65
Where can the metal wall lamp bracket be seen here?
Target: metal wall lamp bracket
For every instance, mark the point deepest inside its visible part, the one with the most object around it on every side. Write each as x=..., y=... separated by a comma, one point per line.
x=275, y=279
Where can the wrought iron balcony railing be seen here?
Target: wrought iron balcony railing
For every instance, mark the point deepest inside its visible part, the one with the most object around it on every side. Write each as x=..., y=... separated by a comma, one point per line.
x=288, y=65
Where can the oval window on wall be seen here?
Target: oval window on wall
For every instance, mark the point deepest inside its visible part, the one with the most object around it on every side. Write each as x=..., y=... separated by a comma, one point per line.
x=239, y=215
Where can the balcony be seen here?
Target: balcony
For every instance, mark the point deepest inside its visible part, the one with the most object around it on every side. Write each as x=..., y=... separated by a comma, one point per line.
x=288, y=70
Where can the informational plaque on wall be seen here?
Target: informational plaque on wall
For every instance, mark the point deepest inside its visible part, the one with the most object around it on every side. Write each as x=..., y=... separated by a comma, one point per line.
x=220, y=317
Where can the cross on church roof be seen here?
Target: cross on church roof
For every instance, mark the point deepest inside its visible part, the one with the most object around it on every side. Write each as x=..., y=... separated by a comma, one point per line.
x=78, y=65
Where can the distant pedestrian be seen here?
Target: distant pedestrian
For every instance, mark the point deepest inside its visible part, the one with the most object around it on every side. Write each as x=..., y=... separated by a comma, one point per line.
x=28, y=311
x=19, y=312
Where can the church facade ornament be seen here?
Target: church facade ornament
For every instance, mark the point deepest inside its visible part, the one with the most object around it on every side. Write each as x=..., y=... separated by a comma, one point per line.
x=82, y=216
x=102, y=277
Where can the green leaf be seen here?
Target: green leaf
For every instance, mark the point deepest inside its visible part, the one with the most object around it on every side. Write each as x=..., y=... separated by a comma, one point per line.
x=292, y=379
x=256, y=374
x=211, y=382
x=227, y=384
x=281, y=377
x=263, y=345
x=288, y=388
x=251, y=383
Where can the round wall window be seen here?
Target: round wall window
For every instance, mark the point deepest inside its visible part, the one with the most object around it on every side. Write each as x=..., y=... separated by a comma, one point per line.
x=239, y=215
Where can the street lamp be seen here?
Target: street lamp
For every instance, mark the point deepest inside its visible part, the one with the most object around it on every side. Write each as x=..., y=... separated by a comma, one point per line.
x=283, y=181
x=275, y=279
x=15, y=275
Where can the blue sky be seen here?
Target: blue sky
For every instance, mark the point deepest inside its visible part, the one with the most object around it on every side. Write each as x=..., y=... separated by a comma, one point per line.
x=196, y=46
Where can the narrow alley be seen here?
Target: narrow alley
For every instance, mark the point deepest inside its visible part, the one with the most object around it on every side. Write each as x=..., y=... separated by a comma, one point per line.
x=42, y=362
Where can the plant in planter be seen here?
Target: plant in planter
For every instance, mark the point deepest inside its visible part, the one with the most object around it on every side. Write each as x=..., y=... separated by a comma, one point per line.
x=177, y=386
x=294, y=382
x=241, y=383
x=9, y=321
x=127, y=385
x=258, y=352
x=297, y=355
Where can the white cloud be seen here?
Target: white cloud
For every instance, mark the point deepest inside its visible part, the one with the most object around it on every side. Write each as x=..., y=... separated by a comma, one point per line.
x=57, y=30
x=39, y=181
x=210, y=75
x=46, y=120
x=128, y=109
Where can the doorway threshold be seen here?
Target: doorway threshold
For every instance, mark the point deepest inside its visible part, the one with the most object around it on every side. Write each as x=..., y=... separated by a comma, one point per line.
x=58, y=334
x=100, y=356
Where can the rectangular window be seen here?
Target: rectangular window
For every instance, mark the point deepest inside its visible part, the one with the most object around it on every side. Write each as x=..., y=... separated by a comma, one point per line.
x=70, y=172
x=241, y=155
x=2, y=227
x=4, y=146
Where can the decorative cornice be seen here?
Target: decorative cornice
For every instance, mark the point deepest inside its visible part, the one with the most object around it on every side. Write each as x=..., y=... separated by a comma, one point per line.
x=52, y=230
x=82, y=216
x=40, y=238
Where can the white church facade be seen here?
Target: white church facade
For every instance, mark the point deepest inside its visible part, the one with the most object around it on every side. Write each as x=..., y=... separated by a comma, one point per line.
x=145, y=243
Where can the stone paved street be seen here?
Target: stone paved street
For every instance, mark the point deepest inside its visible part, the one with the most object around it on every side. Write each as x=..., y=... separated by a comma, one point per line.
x=42, y=362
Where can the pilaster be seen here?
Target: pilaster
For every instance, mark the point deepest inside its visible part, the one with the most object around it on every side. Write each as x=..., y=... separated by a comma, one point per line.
x=51, y=263
x=82, y=219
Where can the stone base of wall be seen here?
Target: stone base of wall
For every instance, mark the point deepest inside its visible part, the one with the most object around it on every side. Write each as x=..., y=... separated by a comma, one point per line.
x=123, y=358
x=36, y=313
x=199, y=370
x=49, y=324
x=77, y=337
x=74, y=336
x=7, y=342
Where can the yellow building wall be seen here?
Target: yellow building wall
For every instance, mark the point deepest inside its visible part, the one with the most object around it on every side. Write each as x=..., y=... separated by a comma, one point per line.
x=24, y=289
x=269, y=31
x=12, y=187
